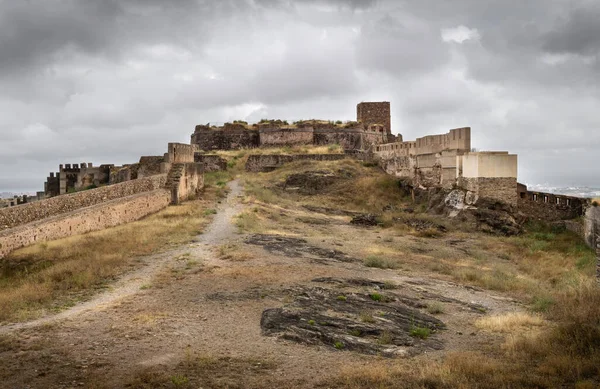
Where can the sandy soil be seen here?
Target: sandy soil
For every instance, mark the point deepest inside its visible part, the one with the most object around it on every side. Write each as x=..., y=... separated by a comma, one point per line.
x=188, y=316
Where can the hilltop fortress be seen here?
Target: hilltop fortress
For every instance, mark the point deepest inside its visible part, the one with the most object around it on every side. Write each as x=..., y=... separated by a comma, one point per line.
x=443, y=169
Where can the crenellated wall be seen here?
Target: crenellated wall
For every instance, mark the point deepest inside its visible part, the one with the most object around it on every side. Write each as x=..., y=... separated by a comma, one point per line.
x=549, y=206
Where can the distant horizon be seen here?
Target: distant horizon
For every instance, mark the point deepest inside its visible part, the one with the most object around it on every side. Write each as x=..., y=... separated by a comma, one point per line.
x=593, y=191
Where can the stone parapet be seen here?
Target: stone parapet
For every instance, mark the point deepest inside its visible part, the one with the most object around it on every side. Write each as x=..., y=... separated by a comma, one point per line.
x=27, y=213
x=92, y=218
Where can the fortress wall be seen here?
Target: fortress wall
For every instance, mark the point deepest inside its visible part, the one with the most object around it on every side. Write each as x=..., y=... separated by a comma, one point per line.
x=349, y=138
x=496, y=188
x=181, y=153
x=185, y=181
x=208, y=138
x=27, y=213
x=489, y=164
x=550, y=207
x=150, y=165
x=210, y=163
x=93, y=218
x=261, y=163
x=591, y=232
x=285, y=136
x=455, y=139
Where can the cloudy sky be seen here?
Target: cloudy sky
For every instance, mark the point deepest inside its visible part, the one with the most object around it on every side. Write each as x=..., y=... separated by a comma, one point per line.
x=106, y=81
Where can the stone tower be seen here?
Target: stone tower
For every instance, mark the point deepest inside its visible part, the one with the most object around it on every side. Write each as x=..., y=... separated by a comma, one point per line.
x=375, y=113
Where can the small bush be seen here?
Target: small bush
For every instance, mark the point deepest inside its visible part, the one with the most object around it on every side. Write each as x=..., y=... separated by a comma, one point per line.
x=376, y=297
x=311, y=322
x=542, y=303
x=338, y=345
x=420, y=332
x=379, y=262
x=385, y=338
x=342, y=298
x=355, y=332
x=366, y=317
x=430, y=232
x=435, y=308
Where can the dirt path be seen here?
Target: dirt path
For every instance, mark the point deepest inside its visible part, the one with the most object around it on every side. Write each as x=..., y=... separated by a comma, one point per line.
x=219, y=230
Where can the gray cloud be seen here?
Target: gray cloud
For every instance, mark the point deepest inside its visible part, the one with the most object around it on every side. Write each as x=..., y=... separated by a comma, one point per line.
x=108, y=81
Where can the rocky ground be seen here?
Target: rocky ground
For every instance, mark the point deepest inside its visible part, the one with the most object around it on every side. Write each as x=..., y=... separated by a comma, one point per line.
x=243, y=310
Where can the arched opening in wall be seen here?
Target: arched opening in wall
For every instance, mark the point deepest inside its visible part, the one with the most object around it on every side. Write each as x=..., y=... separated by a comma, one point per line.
x=545, y=199
x=558, y=201
x=534, y=197
x=569, y=202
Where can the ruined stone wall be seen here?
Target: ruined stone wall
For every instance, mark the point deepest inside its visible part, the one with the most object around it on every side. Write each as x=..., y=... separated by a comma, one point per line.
x=225, y=138
x=375, y=113
x=119, y=174
x=92, y=218
x=184, y=181
x=592, y=233
x=150, y=166
x=181, y=153
x=27, y=213
x=285, y=136
x=262, y=163
x=211, y=163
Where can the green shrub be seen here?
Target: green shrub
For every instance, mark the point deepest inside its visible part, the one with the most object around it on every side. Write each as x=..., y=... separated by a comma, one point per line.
x=420, y=332
x=376, y=297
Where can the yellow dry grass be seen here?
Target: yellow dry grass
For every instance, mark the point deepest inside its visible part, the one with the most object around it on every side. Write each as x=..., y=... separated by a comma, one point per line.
x=54, y=275
x=510, y=322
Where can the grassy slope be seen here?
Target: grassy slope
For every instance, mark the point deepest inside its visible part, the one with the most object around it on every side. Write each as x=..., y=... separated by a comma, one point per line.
x=552, y=272
x=556, y=343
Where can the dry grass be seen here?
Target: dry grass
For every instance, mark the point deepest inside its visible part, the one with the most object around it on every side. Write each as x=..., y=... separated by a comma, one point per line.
x=510, y=322
x=55, y=275
x=554, y=270
x=233, y=252
x=365, y=189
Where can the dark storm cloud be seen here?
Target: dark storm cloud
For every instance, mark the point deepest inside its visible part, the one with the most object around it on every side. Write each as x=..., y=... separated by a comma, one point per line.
x=577, y=33
x=108, y=81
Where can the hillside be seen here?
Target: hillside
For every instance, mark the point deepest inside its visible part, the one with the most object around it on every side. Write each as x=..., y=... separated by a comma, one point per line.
x=317, y=274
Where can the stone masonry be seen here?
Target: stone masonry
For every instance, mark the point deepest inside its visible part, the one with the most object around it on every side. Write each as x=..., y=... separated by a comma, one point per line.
x=375, y=113
x=373, y=127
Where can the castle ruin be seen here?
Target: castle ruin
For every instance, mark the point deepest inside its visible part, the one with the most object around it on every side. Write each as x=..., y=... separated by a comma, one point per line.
x=373, y=127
